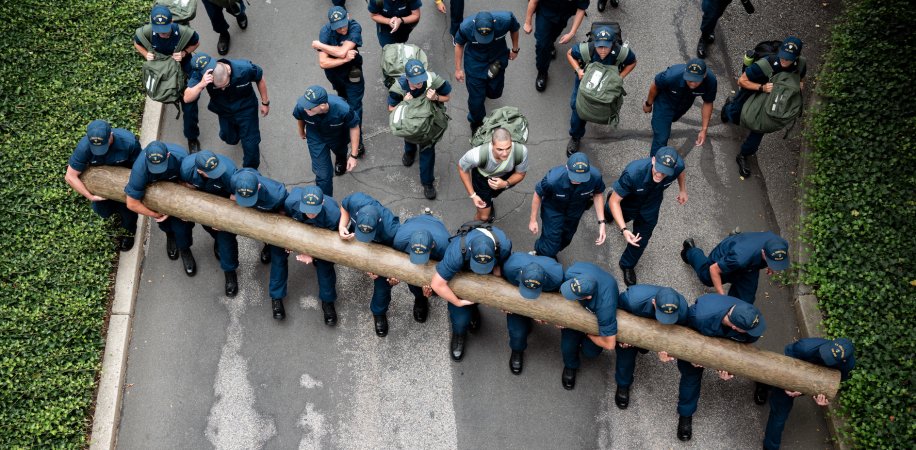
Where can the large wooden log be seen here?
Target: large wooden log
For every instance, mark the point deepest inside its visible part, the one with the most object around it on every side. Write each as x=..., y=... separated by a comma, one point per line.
x=681, y=342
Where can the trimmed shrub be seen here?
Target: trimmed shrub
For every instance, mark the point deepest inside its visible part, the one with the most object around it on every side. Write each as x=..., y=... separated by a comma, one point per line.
x=62, y=64
x=862, y=226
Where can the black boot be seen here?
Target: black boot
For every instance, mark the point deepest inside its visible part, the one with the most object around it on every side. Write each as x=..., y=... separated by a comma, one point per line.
x=572, y=146
x=540, y=83
x=622, y=397
x=187, y=259
x=569, y=378
x=277, y=306
x=629, y=275
x=125, y=243
x=232, y=284
x=381, y=325
x=701, y=49
x=330, y=313
x=688, y=244
x=171, y=246
x=456, y=346
x=222, y=45
x=516, y=361
x=684, y=427
x=743, y=170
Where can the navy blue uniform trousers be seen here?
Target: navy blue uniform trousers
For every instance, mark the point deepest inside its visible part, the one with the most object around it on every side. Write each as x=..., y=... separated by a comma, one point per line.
x=279, y=273
x=643, y=225
x=427, y=161
x=780, y=407
x=519, y=328
x=181, y=229
x=688, y=394
x=662, y=118
x=227, y=247
x=106, y=208
x=217, y=20
x=547, y=28
x=322, y=166
x=557, y=230
x=381, y=295
x=480, y=89
x=743, y=283
x=460, y=317
x=712, y=11
x=242, y=126
x=574, y=341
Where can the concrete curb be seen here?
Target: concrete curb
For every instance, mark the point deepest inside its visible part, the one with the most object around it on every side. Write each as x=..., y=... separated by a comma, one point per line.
x=807, y=314
x=114, y=362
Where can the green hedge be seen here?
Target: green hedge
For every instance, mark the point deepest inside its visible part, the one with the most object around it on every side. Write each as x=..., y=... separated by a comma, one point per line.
x=61, y=64
x=862, y=226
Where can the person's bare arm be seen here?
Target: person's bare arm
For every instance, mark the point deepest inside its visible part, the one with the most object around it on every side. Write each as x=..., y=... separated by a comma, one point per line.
x=442, y=289
x=605, y=342
x=73, y=179
x=715, y=274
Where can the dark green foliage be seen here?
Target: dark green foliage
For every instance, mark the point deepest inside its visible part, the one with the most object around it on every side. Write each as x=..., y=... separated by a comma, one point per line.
x=62, y=64
x=862, y=227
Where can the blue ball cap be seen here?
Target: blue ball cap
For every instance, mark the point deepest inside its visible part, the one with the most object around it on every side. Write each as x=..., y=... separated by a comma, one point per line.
x=157, y=157
x=311, y=201
x=209, y=163
x=98, y=133
x=314, y=96
x=367, y=220
x=668, y=304
x=695, y=70
x=604, y=37
x=483, y=254
x=836, y=351
x=790, y=49
x=666, y=159
x=245, y=186
x=776, y=252
x=531, y=281
x=161, y=19
x=203, y=62
x=420, y=246
x=747, y=317
x=415, y=71
x=483, y=27
x=337, y=17
x=577, y=288
x=578, y=168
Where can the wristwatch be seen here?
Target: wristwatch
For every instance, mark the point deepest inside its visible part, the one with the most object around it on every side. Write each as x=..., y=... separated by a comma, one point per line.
x=516, y=49
x=267, y=103
x=602, y=221
x=622, y=230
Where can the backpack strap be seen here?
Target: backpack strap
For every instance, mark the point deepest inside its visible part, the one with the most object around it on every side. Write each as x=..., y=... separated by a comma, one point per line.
x=397, y=89
x=483, y=155
x=144, y=34
x=764, y=64
x=185, y=33
x=519, y=154
x=622, y=56
x=802, y=64
x=434, y=81
x=585, y=49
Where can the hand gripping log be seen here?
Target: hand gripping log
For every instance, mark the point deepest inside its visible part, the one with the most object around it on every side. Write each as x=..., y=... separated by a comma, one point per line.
x=680, y=342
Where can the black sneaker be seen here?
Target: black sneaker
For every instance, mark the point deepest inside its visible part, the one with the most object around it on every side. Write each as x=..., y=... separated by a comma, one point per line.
x=688, y=244
x=684, y=427
x=408, y=158
x=242, y=20
x=701, y=49
x=265, y=254
x=222, y=45
x=125, y=243
x=743, y=169
x=568, y=379
x=456, y=346
x=381, y=325
x=540, y=83
x=429, y=191
x=232, y=284
x=622, y=397
x=572, y=146
x=187, y=260
x=277, y=307
x=516, y=362
x=171, y=247
x=330, y=313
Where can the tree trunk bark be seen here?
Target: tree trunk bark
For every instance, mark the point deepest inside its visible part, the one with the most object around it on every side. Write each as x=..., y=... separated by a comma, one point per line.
x=680, y=342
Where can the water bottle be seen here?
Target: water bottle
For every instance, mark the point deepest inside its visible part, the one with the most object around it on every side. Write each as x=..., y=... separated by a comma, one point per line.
x=493, y=70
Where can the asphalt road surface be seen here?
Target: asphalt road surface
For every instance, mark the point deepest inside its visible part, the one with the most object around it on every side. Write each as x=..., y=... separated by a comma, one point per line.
x=205, y=371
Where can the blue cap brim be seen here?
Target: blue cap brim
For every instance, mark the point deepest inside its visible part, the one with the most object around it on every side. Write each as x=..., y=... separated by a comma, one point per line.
x=603, y=43
x=365, y=237
x=339, y=24
x=482, y=269
x=162, y=28
x=786, y=55
x=158, y=168
x=576, y=177
x=484, y=39
x=528, y=293
x=759, y=329
x=419, y=258
x=417, y=79
x=217, y=172
x=776, y=265
x=310, y=209
x=99, y=150
x=247, y=202
x=663, y=169
x=567, y=292
x=664, y=318
x=693, y=77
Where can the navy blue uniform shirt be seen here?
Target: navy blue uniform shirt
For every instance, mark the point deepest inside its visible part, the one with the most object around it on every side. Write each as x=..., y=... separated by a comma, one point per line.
x=394, y=98
x=141, y=177
x=218, y=186
x=808, y=349
x=271, y=194
x=239, y=94
x=674, y=94
x=561, y=8
x=453, y=261
x=478, y=56
x=559, y=194
x=426, y=222
x=394, y=8
x=637, y=300
x=328, y=218
x=637, y=188
x=122, y=152
x=329, y=127
x=513, y=267
x=741, y=252
x=354, y=34
x=706, y=316
x=611, y=58
x=387, y=227
x=604, y=303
